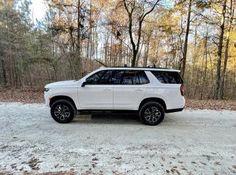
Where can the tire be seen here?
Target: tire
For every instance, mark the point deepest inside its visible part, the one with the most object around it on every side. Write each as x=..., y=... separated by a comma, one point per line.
x=62, y=111
x=151, y=113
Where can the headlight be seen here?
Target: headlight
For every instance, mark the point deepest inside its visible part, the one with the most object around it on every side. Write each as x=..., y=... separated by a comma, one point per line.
x=46, y=89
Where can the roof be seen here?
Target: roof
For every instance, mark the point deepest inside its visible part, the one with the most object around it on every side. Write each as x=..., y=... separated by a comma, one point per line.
x=141, y=68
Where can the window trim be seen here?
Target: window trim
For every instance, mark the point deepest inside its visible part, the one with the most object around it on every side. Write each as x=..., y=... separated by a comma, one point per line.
x=106, y=70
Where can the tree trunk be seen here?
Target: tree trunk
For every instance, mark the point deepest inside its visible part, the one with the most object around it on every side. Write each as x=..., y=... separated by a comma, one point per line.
x=4, y=73
x=90, y=38
x=106, y=49
x=205, y=55
x=193, y=74
x=145, y=60
x=219, y=52
x=186, y=39
x=231, y=15
x=120, y=53
x=78, y=48
x=110, y=53
x=135, y=53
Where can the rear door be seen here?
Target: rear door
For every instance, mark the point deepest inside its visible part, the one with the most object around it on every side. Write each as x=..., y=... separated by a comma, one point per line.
x=129, y=88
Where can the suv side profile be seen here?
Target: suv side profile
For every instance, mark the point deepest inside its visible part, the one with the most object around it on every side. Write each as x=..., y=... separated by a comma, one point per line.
x=151, y=92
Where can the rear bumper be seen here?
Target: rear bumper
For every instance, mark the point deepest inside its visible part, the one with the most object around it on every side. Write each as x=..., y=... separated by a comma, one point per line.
x=174, y=110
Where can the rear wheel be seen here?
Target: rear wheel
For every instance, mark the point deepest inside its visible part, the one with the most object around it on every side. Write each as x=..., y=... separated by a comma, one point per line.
x=62, y=111
x=151, y=113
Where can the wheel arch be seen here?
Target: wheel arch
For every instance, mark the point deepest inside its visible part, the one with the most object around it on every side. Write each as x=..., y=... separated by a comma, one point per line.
x=155, y=99
x=62, y=97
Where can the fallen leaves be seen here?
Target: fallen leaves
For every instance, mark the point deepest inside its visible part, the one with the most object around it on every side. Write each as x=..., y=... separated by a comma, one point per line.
x=59, y=173
x=21, y=95
x=117, y=158
x=211, y=104
x=33, y=163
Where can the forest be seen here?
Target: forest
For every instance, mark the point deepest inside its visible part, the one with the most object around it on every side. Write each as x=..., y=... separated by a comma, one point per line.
x=75, y=37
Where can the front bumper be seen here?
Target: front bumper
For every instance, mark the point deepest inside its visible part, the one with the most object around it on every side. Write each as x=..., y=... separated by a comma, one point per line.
x=46, y=99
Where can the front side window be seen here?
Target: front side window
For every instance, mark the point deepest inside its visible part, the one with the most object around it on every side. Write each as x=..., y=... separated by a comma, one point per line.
x=167, y=77
x=106, y=78
x=100, y=78
x=94, y=79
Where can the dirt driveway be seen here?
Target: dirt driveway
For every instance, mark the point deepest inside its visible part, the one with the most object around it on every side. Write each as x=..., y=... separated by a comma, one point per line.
x=189, y=142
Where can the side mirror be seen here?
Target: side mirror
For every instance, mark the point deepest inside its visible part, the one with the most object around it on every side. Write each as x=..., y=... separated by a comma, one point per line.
x=83, y=84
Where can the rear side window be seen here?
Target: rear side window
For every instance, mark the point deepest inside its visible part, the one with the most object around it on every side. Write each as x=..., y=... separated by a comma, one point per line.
x=168, y=77
x=133, y=77
x=106, y=78
x=117, y=76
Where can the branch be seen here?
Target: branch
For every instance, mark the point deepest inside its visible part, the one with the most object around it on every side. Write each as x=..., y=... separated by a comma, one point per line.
x=101, y=63
x=130, y=14
x=148, y=12
x=126, y=7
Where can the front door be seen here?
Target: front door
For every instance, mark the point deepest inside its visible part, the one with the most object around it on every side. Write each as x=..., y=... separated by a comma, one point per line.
x=97, y=93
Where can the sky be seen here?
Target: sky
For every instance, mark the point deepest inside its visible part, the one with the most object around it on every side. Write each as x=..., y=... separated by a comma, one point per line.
x=38, y=9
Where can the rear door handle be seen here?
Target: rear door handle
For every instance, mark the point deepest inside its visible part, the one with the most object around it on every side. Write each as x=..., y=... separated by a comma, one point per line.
x=139, y=90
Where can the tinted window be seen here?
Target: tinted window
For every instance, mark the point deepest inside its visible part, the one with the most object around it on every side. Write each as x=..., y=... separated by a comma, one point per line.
x=117, y=76
x=143, y=78
x=106, y=78
x=94, y=79
x=132, y=77
x=168, y=77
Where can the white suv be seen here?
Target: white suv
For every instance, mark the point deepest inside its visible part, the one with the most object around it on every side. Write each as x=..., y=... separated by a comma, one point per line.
x=151, y=92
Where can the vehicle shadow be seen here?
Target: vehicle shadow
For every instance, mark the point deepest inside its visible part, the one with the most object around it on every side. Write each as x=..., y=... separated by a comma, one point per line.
x=108, y=118
x=114, y=118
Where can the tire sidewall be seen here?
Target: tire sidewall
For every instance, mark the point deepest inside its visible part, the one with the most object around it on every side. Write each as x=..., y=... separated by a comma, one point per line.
x=69, y=105
x=149, y=104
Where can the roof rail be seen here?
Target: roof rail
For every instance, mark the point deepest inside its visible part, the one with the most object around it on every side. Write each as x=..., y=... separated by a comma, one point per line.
x=148, y=67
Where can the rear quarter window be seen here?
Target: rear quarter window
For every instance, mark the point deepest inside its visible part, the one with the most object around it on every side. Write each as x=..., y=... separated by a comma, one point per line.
x=167, y=77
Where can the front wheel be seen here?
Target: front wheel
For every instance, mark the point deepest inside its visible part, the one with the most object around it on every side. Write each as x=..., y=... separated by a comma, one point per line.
x=151, y=113
x=62, y=111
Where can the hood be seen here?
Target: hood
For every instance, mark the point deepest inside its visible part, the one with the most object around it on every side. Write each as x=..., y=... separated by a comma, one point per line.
x=62, y=84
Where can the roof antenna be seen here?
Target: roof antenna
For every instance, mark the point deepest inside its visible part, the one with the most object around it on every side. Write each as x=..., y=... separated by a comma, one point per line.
x=154, y=66
x=125, y=65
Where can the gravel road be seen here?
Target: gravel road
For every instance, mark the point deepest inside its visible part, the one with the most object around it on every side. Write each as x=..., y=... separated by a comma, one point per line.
x=189, y=142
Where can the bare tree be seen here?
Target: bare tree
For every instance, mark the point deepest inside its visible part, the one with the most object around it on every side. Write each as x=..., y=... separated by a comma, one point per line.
x=183, y=62
x=78, y=46
x=131, y=7
x=219, y=52
x=226, y=55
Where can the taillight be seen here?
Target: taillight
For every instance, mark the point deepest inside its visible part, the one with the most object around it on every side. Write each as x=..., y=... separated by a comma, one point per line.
x=182, y=89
